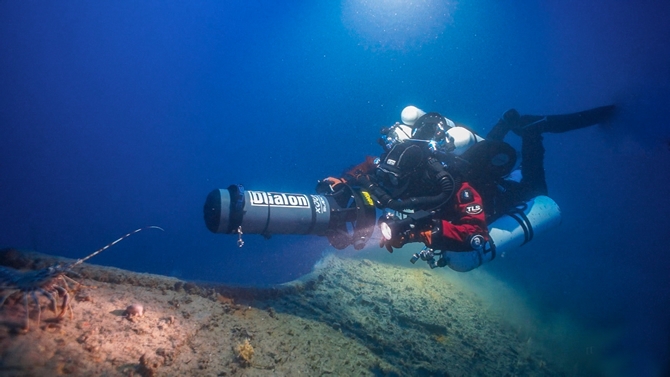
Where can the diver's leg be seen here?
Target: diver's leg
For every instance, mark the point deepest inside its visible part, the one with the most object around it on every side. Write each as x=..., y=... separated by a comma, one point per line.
x=532, y=165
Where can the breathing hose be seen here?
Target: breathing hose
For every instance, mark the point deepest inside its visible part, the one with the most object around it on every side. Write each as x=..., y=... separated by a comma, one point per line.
x=445, y=181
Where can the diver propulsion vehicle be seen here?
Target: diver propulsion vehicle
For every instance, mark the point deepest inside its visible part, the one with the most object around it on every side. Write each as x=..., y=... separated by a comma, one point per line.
x=347, y=218
x=351, y=221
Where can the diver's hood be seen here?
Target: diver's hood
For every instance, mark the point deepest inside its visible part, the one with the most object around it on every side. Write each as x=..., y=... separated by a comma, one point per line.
x=399, y=166
x=431, y=126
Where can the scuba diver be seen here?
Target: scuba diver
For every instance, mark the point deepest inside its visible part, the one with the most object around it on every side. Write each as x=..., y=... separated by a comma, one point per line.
x=439, y=183
x=444, y=184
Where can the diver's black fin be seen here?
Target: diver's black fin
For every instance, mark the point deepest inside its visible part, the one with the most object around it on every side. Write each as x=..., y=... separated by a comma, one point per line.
x=564, y=122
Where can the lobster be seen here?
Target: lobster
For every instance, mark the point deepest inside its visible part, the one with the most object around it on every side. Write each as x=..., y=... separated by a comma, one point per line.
x=51, y=282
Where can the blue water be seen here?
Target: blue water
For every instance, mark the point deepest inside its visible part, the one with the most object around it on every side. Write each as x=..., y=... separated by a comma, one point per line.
x=117, y=115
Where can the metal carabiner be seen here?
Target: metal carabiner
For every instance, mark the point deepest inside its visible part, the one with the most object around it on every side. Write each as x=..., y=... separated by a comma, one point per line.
x=240, y=242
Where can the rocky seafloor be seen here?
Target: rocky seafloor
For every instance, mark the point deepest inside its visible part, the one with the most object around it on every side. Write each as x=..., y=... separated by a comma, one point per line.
x=350, y=317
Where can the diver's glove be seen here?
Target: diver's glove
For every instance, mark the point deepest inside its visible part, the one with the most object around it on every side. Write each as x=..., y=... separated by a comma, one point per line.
x=400, y=239
x=433, y=236
x=395, y=242
x=398, y=232
x=330, y=185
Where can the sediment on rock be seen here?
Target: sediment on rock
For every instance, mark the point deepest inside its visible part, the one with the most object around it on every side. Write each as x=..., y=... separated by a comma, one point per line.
x=350, y=317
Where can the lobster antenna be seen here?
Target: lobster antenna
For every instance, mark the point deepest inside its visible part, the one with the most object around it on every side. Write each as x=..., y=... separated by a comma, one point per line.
x=82, y=260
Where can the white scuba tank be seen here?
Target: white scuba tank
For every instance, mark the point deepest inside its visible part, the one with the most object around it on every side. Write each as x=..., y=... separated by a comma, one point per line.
x=462, y=139
x=411, y=114
x=511, y=231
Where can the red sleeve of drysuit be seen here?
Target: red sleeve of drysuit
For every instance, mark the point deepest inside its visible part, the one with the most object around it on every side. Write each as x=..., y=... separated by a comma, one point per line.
x=365, y=167
x=470, y=220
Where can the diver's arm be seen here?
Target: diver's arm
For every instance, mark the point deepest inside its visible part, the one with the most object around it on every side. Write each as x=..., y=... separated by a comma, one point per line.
x=350, y=176
x=366, y=167
x=455, y=235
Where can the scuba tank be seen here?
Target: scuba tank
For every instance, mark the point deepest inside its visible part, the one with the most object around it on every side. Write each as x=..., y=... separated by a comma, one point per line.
x=511, y=231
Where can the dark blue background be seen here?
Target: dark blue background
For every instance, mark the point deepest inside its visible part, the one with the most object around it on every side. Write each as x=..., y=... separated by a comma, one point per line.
x=117, y=115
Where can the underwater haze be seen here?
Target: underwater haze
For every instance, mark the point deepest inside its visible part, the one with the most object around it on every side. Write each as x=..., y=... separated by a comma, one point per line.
x=115, y=115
